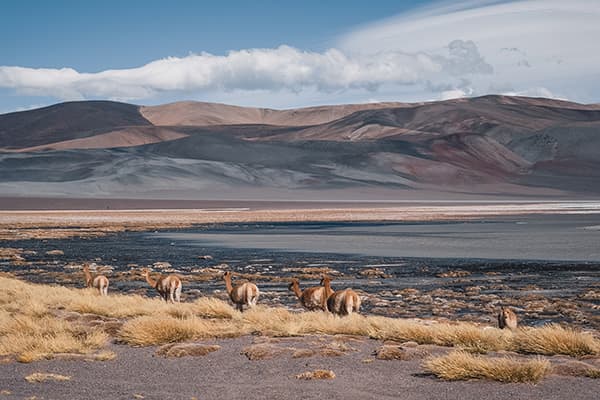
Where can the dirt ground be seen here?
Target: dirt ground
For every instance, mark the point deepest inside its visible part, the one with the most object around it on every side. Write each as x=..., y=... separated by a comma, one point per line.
x=138, y=373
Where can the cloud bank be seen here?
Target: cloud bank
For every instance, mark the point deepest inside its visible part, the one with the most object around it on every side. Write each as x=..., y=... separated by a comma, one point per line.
x=281, y=68
x=450, y=49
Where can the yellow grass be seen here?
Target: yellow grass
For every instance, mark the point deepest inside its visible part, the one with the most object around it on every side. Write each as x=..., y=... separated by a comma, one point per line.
x=593, y=373
x=467, y=336
x=153, y=330
x=460, y=365
x=316, y=374
x=555, y=339
x=38, y=377
x=31, y=326
x=31, y=339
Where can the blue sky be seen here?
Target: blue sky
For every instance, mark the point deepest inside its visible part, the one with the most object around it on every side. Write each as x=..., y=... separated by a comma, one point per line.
x=283, y=54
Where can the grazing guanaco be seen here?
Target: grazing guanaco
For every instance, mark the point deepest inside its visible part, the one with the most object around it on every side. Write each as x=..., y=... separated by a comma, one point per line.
x=99, y=282
x=507, y=318
x=168, y=287
x=242, y=295
x=312, y=298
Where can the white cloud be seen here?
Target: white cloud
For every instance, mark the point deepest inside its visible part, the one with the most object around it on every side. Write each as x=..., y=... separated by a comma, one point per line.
x=280, y=69
x=529, y=43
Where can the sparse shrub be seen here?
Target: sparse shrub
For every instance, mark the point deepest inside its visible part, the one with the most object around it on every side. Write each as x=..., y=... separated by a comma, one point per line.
x=460, y=365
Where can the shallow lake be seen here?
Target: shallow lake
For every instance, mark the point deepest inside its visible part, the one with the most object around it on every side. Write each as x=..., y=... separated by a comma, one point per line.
x=537, y=237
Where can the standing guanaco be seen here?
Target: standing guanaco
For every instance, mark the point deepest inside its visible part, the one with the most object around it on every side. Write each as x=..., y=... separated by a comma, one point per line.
x=99, y=282
x=312, y=298
x=242, y=295
x=507, y=318
x=168, y=287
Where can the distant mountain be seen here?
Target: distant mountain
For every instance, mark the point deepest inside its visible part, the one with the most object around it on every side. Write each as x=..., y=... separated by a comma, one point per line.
x=490, y=145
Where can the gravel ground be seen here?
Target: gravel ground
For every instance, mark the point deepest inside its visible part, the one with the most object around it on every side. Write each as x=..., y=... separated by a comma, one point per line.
x=227, y=374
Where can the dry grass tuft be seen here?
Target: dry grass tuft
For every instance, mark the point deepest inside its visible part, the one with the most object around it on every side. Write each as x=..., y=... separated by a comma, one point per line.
x=32, y=339
x=104, y=356
x=263, y=351
x=38, y=377
x=186, y=349
x=388, y=352
x=577, y=368
x=303, y=353
x=593, y=373
x=460, y=365
x=467, y=336
x=161, y=329
x=555, y=339
x=316, y=374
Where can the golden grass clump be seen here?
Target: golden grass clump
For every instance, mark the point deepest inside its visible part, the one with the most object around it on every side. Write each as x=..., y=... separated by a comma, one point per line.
x=316, y=374
x=32, y=339
x=467, y=336
x=593, y=373
x=555, y=339
x=186, y=349
x=281, y=322
x=38, y=377
x=162, y=329
x=207, y=307
x=460, y=365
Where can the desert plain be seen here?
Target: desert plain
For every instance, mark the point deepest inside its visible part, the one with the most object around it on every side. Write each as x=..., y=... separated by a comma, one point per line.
x=427, y=326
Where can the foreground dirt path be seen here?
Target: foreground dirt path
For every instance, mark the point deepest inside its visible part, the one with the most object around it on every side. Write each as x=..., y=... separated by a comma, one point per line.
x=227, y=374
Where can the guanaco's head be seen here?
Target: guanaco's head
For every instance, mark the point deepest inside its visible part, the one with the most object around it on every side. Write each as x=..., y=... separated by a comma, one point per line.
x=293, y=283
x=226, y=275
x=506, y=311
x=145, y=271
x=325, y=280
x=86, y=267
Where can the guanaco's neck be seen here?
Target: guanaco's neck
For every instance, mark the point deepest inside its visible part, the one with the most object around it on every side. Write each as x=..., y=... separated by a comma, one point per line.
x=88, y=277
x=228, y=286
x=327, y=286
x=150, y=281
x=296, y=289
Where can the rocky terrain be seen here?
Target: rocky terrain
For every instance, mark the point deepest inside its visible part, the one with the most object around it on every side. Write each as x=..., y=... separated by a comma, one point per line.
x=492, y=145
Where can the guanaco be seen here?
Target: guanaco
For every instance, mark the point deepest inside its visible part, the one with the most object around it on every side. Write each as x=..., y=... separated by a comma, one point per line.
x=99, y=282
x=507, y=318
x=245, y=294
x=312, y=298
x=168, y=287
x=344, y=302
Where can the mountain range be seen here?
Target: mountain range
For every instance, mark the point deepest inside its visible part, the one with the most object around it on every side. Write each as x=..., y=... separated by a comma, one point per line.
x=485, y=146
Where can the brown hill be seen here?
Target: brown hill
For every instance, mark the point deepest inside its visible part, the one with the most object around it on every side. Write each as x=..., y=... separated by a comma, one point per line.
x=192, y=113
x=66, y=121
x=490, y=144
